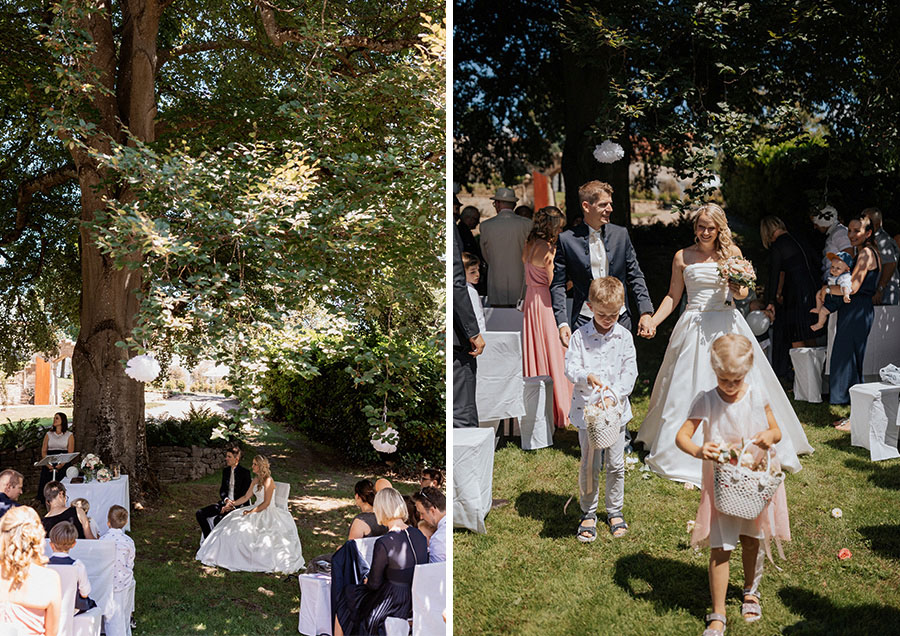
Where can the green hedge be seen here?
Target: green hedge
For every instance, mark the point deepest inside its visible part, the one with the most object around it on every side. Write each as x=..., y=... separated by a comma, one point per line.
x=194, y=429
x=330, y=406
x=21, y=434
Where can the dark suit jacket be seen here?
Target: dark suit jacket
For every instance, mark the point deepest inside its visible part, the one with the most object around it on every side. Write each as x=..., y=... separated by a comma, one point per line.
x=242, y=479
x=465, y=325
x=573, y=262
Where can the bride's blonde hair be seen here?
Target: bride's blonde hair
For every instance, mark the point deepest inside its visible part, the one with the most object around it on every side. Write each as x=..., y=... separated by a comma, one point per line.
x=21, y=544
x=263, y=471
x=724, y=242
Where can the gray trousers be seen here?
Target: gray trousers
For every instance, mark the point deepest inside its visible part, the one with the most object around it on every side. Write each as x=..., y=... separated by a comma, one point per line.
x=589, y=474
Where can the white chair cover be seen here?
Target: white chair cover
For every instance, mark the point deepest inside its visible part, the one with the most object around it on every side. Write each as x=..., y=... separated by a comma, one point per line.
x=473, y=473
x=315, y=605
x=394, y=626
x=365, y=547
x=86, y=623
x=118, y=623
x=429, y=592
x=537, y=425
x=809, y=363
x=874, y=419
x=282, y=492
x=99, y=558
x=498, y=392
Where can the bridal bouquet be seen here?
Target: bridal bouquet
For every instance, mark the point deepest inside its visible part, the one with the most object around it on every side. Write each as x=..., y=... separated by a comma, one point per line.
x=91, y=467
x=739, y=271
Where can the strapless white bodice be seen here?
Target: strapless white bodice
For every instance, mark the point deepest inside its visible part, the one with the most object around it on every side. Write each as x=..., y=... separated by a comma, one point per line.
x=706, y=291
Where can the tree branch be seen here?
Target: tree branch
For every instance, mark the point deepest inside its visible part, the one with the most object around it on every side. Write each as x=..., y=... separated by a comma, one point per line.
x=26, y=192
x=279, y=35
x=164, y=55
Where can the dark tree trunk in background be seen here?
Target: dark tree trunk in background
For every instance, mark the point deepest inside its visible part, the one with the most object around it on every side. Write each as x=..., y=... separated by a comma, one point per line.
x=585, y=87
x=109, y=406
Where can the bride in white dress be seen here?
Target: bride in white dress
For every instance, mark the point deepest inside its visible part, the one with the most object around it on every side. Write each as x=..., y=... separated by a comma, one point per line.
x=686, y=369
x=259, y=539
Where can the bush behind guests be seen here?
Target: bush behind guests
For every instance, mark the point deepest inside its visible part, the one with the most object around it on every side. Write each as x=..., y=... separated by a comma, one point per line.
x=194, y=429
x=339, y=417
x=21, y=434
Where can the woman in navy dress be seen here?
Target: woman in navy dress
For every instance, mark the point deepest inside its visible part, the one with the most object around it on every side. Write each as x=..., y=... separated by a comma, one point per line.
x=854, y=319
x=387, y=591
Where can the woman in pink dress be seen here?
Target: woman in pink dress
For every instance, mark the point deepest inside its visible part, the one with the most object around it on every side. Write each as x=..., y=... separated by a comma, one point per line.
x=543, y=354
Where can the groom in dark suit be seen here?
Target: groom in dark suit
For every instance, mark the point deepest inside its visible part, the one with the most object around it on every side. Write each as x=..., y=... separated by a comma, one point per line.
x=235, y=483
x=594, y=249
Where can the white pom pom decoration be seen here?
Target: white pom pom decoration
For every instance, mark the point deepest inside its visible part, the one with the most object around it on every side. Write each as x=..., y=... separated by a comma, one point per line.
x=758, y=321
x=608, y=152
x=381, y=445
x=142, y=368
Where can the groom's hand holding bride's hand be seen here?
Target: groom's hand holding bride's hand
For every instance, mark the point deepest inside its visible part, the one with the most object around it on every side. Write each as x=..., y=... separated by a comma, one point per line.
x=645, y=327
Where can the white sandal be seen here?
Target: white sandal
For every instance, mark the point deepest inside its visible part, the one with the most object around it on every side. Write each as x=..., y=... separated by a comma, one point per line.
x=714, y=632
x=751, y=611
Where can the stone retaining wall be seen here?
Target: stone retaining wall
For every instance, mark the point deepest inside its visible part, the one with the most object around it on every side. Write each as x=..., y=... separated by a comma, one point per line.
x=183, y=463
x=171, y=463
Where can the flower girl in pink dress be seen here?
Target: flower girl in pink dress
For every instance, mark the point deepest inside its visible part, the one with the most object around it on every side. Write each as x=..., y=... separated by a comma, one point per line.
x=732, y=413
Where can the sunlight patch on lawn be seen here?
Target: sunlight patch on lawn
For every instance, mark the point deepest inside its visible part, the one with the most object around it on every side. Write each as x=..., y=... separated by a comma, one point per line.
x=318, y=504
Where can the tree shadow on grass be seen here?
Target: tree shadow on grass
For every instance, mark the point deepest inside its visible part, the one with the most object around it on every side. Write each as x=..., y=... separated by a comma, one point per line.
x=821, y=616
x=548, y=507
x=884, y=539
x=566, y=441
x=666, y=583
x=842, y=443
x=882, y=474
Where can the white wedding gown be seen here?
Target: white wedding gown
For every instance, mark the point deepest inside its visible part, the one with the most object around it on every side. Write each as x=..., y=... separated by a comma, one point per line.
x=686, y=371
x=264, y=541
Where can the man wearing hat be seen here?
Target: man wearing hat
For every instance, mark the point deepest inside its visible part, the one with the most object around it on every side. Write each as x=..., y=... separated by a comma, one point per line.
x=502, y=240
x=836, y=239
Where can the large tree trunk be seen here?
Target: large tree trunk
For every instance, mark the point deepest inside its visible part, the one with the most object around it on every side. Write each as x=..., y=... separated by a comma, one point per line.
x=585, y=88
x=109, y=406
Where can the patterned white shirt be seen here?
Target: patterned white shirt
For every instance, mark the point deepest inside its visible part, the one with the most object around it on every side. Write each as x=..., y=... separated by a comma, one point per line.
x=610, y=356
x=123, y=571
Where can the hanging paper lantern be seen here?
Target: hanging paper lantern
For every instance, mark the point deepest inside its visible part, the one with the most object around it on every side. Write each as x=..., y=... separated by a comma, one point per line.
x=380, y=444
x=608, y=152
x=142, y=368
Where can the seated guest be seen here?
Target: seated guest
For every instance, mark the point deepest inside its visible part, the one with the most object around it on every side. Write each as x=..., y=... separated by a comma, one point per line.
x=11, y=483
x=60, y=510
x=85, y=505
x=235, y=482
x=30, y=594
x=364, y=524
x=431, y=505
x=381, y=484
x=62, y=539
x=413, y=519
x=431, y=477
x=387, y=591
x=123, y=571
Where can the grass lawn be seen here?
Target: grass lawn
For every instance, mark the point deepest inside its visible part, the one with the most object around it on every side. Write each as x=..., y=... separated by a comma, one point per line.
x=177, y=595
x=529, y=574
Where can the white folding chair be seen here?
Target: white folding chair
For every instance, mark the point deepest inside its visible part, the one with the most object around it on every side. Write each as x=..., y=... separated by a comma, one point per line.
x=366, y=547
x=429, y=592
x=86, y=623
x=282, y=492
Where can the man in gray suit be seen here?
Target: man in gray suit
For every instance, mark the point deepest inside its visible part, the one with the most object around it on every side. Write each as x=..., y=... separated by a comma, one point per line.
x=502, y=240
x=594, y=249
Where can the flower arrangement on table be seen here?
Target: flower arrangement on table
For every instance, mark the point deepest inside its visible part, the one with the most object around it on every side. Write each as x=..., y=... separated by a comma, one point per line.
x=91, y=467
x=739, y=271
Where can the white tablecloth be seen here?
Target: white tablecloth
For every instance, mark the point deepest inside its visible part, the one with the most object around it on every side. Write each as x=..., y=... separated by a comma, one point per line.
x=499, y=384
x=874, y=420
x=473, y=472
x=882, y=346
x=101, y=497
x=99, y=558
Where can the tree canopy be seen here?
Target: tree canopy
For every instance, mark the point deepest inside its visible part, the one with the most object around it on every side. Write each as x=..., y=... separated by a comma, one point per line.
x=181, y=176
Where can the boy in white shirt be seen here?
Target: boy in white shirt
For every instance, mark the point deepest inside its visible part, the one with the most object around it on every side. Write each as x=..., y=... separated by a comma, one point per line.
x=472, y=264
x=601, y=354
x=63, y=537
x=119, y=624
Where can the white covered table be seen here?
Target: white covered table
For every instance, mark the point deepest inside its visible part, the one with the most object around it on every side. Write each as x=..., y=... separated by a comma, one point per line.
x=874, y=419
x=809, y=364
x=500, y=385
x=473, y=471
x=536, y=426
x=882, y=345
x=101, y=496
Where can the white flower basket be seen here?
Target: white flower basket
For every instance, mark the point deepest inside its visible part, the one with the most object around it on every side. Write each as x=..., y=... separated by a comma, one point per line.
x=741, y=492
x=603, y=422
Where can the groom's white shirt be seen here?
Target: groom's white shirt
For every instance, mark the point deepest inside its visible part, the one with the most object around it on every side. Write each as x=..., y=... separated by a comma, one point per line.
x=599, y=262
x=610, y=356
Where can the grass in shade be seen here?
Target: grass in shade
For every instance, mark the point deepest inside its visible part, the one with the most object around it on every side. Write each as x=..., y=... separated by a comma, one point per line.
x=529, y=575
x=177, y=595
